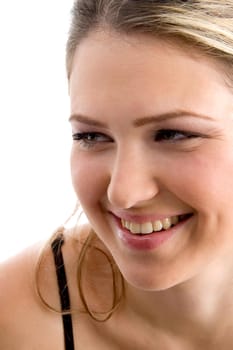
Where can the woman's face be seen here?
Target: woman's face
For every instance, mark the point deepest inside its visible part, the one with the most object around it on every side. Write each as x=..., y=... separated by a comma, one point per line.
x=152, y=158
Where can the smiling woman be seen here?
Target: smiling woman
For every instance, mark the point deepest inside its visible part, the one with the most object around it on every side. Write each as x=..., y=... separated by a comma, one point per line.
x=151, y=105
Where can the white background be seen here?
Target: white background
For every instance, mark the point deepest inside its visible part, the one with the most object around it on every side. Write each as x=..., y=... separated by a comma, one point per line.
x=36, y=194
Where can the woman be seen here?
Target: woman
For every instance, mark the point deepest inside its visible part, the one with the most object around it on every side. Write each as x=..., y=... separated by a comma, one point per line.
x=150, y=86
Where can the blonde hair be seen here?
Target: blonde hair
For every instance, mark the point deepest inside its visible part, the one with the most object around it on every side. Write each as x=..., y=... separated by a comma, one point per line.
x=206, y=25
x=88, y=246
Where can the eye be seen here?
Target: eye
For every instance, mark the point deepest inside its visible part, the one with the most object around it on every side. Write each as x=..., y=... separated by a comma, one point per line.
x=90, y=139
x=171, y=135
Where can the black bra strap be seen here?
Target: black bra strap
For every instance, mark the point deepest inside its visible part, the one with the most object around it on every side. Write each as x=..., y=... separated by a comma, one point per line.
x=63, y=291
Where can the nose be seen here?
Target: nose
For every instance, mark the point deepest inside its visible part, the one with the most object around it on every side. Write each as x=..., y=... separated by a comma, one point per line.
x=132, y=181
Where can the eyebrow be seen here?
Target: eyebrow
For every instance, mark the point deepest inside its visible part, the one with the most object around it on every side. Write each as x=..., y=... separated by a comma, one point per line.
x=142, y=121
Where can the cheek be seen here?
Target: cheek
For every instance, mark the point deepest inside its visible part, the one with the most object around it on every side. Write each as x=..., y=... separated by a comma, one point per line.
x=204, y=181
x=89, y=179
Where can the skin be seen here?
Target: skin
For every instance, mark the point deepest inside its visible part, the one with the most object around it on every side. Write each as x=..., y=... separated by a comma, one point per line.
x=178, y=296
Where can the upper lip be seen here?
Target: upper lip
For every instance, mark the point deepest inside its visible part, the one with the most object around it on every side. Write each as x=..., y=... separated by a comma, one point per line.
x=139, y=219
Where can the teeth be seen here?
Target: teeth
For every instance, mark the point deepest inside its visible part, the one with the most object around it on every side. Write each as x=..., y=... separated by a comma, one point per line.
x=174, y=220
x=157, y=225
x=149, y=227
x=127, y=225
x=135, y=228
x=167, y=223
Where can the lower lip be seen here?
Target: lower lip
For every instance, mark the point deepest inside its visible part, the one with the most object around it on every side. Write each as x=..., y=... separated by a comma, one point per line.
x=146, y=242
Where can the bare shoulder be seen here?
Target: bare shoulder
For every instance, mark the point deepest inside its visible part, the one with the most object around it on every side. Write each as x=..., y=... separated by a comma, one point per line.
x=24, y=317
x=17, y=297
x=16, y=276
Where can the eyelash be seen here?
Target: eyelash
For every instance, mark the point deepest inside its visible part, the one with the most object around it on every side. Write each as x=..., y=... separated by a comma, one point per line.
x=169, y=135
x=90, y=139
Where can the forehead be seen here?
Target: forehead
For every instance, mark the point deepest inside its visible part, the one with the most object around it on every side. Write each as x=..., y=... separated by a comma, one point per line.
x=138, y=69
x=136, y=49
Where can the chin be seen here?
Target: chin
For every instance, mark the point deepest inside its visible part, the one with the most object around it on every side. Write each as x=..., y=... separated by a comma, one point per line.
x=151, y=284
x=155, y=282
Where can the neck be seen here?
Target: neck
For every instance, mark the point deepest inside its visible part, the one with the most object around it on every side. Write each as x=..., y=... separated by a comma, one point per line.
x=201, y=303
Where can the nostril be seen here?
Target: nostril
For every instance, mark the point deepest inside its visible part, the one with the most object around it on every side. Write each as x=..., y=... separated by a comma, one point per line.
x=127, y=200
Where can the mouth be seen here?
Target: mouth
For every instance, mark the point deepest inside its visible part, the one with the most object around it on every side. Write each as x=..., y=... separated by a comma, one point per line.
x=149, y=227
